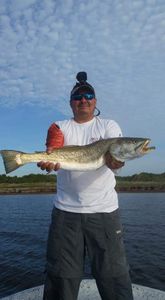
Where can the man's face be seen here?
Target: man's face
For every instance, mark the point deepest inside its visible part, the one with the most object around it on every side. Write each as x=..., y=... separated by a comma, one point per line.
x=84, y=107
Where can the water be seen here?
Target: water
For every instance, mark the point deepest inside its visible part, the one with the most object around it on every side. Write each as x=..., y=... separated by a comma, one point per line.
x=24, y=222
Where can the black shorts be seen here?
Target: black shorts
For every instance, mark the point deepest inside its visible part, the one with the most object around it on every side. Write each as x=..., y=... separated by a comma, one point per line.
x=70, y=234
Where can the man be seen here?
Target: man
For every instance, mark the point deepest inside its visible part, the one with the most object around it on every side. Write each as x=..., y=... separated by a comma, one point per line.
x=85, y=214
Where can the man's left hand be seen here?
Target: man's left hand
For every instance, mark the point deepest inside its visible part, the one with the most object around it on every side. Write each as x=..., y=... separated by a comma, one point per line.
x=112, y=163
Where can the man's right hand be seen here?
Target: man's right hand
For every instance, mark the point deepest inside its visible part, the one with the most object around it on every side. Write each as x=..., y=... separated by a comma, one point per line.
x=48, y=166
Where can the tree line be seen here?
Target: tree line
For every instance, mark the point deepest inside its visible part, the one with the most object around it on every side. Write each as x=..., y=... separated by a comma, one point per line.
x=144, y=177
x=33, y=178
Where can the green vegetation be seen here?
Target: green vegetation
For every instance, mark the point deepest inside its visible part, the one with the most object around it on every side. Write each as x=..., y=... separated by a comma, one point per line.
x=32, y=183
x=144, y=177
x=143, y=182
x=31, y=178
x=39, y=183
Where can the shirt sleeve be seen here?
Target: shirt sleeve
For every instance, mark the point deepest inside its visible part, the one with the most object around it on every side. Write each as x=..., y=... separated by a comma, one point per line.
x=55, y=137
x=112, y=129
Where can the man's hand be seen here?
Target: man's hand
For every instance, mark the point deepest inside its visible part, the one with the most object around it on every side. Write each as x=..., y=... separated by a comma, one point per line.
x=48, y=166
x=112, y=163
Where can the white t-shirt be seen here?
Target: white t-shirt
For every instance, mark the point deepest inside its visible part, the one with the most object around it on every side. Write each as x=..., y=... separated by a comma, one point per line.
x=88, y=191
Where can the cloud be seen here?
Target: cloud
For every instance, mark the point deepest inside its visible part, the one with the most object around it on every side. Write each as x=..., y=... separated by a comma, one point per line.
x=121, y=45
x=44, y=43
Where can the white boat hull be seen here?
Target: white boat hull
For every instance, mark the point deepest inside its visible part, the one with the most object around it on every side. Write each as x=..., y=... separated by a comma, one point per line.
x=88, y=291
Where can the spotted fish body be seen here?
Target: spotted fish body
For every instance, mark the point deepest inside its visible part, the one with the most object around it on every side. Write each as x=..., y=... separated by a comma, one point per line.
x=81, y=158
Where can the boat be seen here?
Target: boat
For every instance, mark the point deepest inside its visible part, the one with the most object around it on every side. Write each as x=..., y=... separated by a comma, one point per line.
x=88, y=291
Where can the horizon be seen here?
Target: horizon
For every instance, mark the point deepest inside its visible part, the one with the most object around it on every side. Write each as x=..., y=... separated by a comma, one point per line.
x=55, y=173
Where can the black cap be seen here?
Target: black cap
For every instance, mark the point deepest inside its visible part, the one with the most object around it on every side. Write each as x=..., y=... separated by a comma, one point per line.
x=82, y=83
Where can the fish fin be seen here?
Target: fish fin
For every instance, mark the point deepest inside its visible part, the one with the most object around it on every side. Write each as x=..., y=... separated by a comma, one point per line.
x=12, y=160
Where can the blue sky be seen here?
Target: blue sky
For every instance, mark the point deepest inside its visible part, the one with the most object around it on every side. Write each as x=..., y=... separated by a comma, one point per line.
x=120, y=44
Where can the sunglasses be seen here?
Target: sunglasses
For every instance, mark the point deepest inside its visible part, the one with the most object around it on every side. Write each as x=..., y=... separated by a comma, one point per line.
x=79, y=97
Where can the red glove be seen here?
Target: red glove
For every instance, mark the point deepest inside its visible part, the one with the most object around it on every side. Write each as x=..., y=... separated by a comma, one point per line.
x=55, y=137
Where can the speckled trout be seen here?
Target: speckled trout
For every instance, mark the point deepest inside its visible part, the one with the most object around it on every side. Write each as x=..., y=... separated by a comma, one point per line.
x=81, y=158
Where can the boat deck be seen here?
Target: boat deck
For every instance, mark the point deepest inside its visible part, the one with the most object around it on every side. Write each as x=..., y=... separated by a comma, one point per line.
x=88, y=291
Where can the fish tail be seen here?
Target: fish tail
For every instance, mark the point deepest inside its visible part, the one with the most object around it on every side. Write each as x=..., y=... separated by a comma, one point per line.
x=12, y=160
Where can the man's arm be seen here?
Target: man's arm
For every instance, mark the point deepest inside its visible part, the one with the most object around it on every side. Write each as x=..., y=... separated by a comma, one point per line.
x=113, y=130
x=54, y=140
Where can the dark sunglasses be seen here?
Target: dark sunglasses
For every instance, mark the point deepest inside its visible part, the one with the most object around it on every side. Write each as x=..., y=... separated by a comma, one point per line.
x=79, y=97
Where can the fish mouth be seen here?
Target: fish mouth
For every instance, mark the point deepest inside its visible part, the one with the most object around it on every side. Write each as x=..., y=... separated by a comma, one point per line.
x=144, y=147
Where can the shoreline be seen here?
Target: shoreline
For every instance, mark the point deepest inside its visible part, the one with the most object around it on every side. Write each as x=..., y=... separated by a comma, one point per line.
x=46, y=184
x=39, y=190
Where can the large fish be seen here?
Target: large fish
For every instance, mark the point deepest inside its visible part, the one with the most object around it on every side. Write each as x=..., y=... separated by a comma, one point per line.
x=81, y=158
